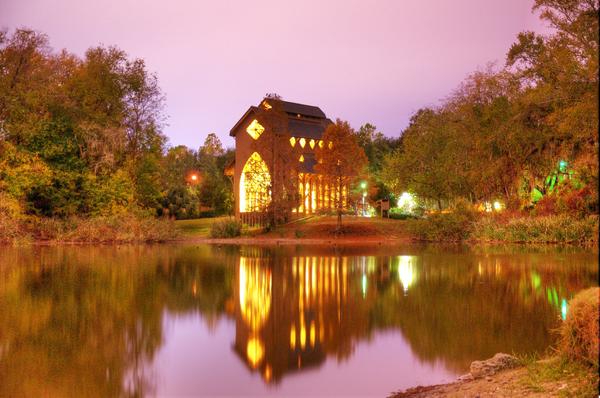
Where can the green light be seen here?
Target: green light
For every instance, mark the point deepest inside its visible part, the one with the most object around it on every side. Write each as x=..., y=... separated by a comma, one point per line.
x=363, y=185
x=535, y=280
x=562, y=165
x=564, y=307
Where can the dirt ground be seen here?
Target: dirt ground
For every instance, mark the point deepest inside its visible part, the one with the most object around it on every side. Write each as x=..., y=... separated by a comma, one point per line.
x=547, y=378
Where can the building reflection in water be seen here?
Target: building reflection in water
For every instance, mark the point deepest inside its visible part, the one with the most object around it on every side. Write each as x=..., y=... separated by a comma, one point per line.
x=294, y=311
x=296, y=307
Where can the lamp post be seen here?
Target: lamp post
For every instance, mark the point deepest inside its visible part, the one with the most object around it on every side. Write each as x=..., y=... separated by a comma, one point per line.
x=363, y=185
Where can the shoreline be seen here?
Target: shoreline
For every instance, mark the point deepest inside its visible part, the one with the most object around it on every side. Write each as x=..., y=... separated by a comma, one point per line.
x=272, y=241
x=506, y=376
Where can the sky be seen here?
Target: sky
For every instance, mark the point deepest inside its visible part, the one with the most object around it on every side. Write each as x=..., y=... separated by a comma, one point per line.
x=358, y=60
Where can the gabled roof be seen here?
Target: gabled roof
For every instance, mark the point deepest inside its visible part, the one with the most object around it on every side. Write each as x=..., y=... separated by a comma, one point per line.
x=302, y=109
x=310, y=124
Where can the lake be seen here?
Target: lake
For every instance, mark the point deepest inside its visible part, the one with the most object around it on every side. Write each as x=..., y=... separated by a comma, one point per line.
x=184, y=319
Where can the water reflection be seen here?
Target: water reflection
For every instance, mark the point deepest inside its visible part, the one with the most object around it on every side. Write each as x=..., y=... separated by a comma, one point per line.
x=91, y=321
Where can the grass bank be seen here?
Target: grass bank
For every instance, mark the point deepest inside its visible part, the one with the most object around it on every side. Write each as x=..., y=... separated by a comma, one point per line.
x=446, y=227
x=119, y=228
x=460, y=226
x=570, y=371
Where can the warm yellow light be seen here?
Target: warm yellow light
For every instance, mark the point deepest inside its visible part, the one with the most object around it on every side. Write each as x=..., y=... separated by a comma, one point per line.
x=313, y=334
x=301, y=159
x=302, y=142
x=302, y=336
x=312, y=144
x=293, y=338
x=255, y=351
x=267, y=105
x=320, y=143
x=255, y=129
x=268, y=373
x=255, y=182
x=293, y=142
x=255, y=284
x=194, y=177
x=330, y=145
x=498, y=206
x=406, y=271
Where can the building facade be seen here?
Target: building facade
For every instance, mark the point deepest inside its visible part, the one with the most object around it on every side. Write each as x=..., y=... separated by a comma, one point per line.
x=256, y=156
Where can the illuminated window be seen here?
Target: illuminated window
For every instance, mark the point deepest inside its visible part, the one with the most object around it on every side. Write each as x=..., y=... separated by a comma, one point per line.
x=320, y=143
x=255, y=182
x=312, y=144
x=255, y=129
x=266, y=105
x=302, y=142
x=330, y=145
x=301, y=158
x=293, y=142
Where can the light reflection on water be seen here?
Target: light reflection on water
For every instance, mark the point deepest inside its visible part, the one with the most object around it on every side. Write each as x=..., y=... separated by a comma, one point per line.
x=193, y=320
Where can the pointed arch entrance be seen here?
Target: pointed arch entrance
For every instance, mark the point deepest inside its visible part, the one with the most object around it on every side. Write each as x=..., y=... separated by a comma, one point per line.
x=255, y=183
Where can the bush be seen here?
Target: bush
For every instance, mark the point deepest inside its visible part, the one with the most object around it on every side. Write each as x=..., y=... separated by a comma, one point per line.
x=453, y=226
x=395, y=214
x=227, y=228
x=555, y=229
x=579, y=332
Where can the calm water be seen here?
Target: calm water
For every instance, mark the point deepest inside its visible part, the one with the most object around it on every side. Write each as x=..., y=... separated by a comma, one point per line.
x=201, y=320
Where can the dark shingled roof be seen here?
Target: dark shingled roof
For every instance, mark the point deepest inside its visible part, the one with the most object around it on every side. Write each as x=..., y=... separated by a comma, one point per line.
x=310, y=124
x=304, y=128
x=304, y=110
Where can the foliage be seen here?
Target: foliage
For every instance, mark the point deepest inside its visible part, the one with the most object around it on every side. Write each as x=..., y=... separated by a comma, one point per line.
x=453, y=226
x=579, y=332
x=503, y=131
x=78, y=136
x=342, y=162
x=126, y=227
x=283, y=173
x=226, y=228
x=553, y=228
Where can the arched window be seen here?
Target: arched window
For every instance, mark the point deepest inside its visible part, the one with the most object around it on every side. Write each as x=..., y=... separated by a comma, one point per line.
x=255, y=183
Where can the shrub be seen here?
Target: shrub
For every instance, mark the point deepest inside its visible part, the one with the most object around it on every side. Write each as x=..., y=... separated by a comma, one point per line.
x=396, y=213
x=227, y=228
x=579, y=332
x=455, y=225
x=557, y=228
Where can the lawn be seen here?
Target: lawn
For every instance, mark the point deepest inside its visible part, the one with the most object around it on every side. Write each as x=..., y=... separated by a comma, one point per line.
x=197, y=228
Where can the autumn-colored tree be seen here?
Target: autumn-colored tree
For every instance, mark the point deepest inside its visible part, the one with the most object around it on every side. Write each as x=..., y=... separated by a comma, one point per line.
x=282, y=181
x=94, y=123
x=342, y=161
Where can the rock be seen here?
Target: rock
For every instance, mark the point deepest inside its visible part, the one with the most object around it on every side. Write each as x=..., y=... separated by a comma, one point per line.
x=490, y=366
x=467, y=377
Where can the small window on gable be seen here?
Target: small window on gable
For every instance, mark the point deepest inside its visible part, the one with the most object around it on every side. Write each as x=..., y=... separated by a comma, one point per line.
x=302, y=142
x=320, y=143
x=255, y=129
x=293, y=142
x=330, y=145
x=301, y=158
x=312, y=144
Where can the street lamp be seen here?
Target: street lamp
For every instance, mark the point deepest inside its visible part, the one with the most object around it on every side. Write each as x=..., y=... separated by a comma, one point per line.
x=363, y=185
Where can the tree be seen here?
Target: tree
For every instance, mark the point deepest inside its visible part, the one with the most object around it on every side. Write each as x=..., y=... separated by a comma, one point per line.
x=283, y=175
x=94, y=123
x=342, y=161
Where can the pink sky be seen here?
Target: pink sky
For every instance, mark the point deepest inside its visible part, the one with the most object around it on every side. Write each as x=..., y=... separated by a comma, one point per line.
x=362, y=61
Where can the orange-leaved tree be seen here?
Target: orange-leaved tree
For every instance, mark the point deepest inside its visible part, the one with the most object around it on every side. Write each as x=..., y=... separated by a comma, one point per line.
x=341, y=161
